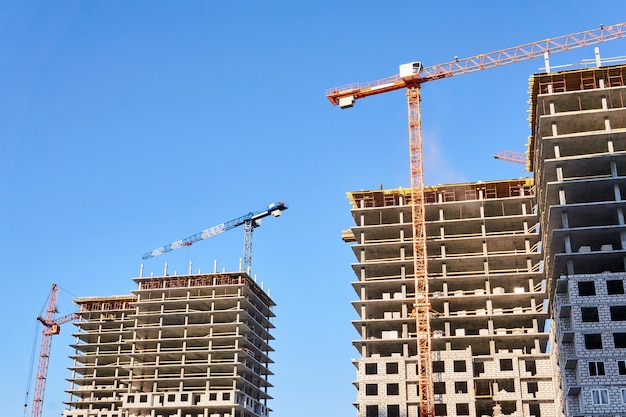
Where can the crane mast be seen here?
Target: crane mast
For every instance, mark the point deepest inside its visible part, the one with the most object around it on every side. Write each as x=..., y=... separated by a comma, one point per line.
x=410, y=77
x=51, y=327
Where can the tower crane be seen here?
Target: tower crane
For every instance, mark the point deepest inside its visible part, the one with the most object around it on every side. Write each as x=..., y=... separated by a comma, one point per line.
x=411, y=76
x=511, y=156
x=51, y=326
x=250, y=221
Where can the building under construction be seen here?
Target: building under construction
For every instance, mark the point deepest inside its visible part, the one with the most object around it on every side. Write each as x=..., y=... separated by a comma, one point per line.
x=196, y=345
x=525, y=277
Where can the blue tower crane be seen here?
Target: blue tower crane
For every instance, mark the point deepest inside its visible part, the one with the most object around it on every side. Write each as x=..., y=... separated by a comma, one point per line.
x=250, y=221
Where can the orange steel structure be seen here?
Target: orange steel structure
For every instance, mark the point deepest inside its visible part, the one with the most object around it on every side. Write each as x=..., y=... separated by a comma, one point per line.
x=345, y=96
x=511, y=156
x=52, y=326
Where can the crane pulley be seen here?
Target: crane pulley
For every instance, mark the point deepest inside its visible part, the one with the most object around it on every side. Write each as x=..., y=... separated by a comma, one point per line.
x=250, y=221
x=410, y=77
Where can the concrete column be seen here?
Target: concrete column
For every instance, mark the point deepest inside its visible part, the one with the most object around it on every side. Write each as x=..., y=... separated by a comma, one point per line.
x=607, y=124
x=613, y=169
x=562, y=196
x=362, y=220
x=443, y=251
x=552, y=108
x=568, y=243
x=557, y=151
x=564, y=220
x=620, y=215
x=610, y=146
x=441, y=215
x=445, y=289
x=554, y=129
x=570, y=267
x=604, y=103
x=622, y=238
x=446, y=329
x=618, y=193
x=559, y=174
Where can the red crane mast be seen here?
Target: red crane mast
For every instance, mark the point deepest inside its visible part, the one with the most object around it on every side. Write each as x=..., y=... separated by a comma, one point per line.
x=51, y=326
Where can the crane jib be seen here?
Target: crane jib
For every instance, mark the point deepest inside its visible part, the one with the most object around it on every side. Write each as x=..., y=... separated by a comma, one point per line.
x=272, y=209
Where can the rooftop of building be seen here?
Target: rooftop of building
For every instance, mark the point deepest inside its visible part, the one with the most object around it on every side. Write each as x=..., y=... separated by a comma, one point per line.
x=563, y=82
x=450, y=192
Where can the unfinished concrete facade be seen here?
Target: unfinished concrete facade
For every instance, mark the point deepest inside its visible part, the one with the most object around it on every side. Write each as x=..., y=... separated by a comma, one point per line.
x=489, y=345
x=193, y=345
x=578, y=154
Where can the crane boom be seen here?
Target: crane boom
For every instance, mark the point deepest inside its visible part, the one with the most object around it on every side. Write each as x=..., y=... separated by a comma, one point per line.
x=511, y=156
x=410, y=77
x=250, y=220
x=475, y=63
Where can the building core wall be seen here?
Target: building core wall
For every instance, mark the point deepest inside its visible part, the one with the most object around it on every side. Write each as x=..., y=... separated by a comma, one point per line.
x=487, y=295
x=194, y=345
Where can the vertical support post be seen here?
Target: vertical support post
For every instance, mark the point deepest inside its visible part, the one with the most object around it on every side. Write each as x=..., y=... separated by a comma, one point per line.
x=247, y=245
x=422, y=302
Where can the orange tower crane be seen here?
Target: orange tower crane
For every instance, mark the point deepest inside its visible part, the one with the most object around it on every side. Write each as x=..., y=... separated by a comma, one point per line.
x=51, y=327
x=410, y=77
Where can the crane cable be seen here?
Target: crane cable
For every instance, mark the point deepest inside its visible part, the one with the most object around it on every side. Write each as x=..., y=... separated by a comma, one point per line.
x=32, y=360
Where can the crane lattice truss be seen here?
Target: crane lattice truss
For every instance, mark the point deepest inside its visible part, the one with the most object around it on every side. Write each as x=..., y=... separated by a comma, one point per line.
x=250, y=221
x=51, y=326
x=511, y=156
x=410, y=77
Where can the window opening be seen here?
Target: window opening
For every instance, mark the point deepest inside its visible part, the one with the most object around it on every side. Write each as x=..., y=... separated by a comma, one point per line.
x=593, y=341
x=586, y=288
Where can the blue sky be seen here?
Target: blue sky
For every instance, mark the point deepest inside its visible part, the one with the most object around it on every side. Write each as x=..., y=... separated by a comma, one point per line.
x=127, y=125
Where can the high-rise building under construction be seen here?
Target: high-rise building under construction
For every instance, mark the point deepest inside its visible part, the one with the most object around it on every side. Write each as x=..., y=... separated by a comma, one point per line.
x=526, y=277
x=194, y=345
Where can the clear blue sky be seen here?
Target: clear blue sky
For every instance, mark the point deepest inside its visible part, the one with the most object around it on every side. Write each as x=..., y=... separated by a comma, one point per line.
x=127, y=125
